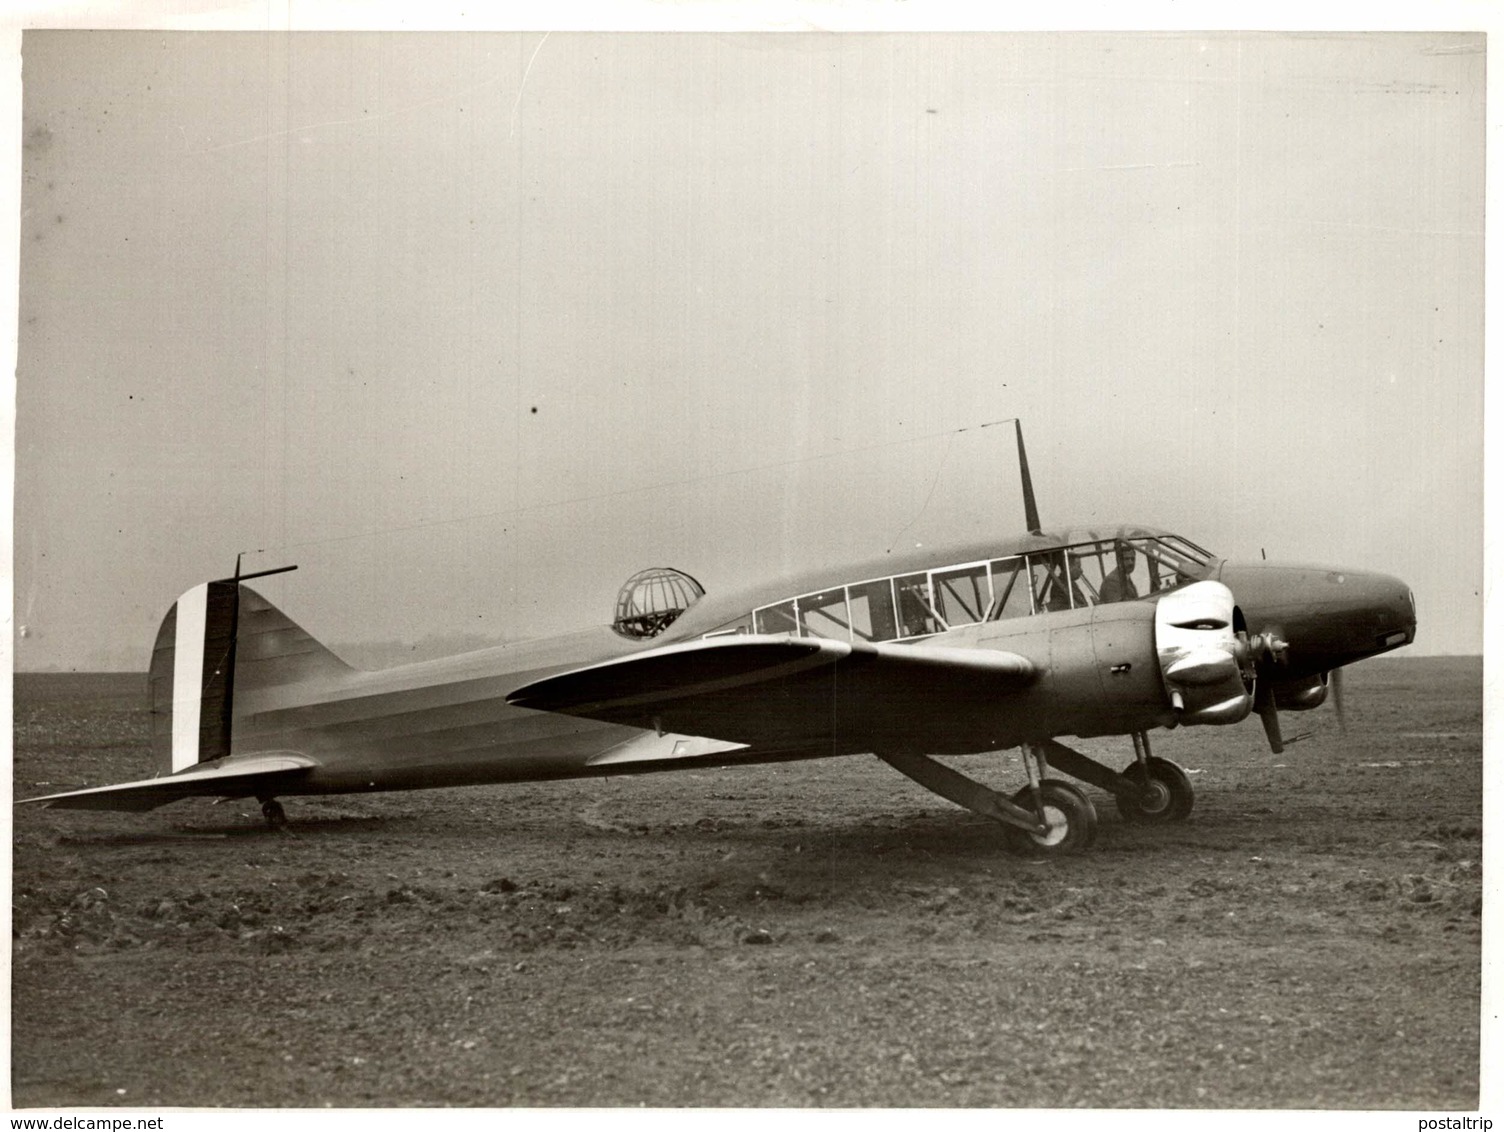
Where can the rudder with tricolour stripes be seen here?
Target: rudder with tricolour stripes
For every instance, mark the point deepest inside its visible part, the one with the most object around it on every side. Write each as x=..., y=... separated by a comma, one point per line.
x=218, y=638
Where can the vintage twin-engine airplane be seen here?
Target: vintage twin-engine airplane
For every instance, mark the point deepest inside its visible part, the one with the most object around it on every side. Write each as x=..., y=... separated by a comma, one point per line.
x=963, y=649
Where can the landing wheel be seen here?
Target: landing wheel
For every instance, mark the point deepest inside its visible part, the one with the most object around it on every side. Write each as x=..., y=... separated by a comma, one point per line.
x=275, y=815
x=1071, y=818
x=1164, y=795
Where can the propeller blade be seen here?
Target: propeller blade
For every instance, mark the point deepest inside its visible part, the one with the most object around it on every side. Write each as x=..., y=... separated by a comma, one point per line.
x=1263, y=703
x=1336, y=681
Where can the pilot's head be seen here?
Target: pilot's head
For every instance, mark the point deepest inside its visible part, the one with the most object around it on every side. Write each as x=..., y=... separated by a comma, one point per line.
x=1127, y=559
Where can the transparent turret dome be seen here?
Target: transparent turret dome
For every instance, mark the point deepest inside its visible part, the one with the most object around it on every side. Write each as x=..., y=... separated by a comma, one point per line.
x=651, y=600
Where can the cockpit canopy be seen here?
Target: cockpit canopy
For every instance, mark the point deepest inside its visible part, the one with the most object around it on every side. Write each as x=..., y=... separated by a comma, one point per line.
x=1046, y=580
x=653, y=599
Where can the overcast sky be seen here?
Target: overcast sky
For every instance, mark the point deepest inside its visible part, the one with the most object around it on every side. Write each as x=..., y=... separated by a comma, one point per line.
x=473, y=326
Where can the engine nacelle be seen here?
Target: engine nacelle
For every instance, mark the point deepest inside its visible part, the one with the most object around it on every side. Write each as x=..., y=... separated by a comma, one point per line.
x=1200, y=655
x=1301, y=695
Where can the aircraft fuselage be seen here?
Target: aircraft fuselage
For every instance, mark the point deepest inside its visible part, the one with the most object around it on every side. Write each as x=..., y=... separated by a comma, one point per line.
x=447, y=722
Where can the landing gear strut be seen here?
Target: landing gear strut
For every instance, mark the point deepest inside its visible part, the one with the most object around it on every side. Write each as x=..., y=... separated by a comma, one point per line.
x=1069, y=817
x=1164, y=792
x=1148, y=790
x=1048, y=817
x=272, y=811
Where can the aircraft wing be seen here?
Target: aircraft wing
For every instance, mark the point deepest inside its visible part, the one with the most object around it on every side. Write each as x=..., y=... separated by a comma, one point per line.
x=234, y=777
x=798, y=694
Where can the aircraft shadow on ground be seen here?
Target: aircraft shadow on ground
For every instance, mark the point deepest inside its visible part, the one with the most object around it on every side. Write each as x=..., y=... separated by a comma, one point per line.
x=959, y=840
x=236, y=827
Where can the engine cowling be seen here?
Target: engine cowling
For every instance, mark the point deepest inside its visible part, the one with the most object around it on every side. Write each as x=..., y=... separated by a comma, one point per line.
x=1201, y=656
x=1301, y=695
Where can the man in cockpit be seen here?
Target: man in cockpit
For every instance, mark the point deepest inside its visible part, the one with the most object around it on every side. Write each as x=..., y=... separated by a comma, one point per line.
x=1062, y=598
x=1119, y=585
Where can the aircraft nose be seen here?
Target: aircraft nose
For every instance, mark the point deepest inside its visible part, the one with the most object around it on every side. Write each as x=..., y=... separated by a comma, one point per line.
x=1330, y=617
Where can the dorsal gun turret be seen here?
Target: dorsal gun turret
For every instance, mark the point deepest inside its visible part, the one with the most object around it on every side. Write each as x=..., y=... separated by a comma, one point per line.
x=653, y=599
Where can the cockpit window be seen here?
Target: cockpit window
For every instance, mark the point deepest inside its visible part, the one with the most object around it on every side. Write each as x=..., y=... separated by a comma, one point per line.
x=1198, y=555
x=1051, y=581
x=1041, y=581
x=1127, y=569
x=1172, y=561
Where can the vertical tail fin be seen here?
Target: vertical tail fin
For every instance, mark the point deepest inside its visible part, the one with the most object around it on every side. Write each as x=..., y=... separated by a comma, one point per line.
x=216, y=638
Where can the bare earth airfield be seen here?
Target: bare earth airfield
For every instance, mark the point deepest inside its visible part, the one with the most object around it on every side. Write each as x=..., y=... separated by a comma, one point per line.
x=818, y=933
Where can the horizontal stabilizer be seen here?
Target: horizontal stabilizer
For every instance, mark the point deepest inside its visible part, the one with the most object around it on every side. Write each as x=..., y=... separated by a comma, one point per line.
x=785, y=693
x=266, y=772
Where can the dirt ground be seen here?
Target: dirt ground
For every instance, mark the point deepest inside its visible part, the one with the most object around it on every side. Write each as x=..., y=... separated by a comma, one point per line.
x=818, y=933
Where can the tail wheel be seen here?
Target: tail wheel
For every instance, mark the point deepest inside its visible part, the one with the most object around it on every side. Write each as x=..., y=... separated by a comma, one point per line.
x=1164, y=792
x=1069, y=814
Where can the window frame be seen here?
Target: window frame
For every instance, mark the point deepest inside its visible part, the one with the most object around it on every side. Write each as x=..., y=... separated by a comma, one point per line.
x=1170, y=548
x=935, y=602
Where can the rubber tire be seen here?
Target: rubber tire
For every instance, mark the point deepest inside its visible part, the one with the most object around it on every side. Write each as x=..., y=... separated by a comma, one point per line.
x=1085, y=801
x=1072, y=817
x=275, y=815
x=1171, y=795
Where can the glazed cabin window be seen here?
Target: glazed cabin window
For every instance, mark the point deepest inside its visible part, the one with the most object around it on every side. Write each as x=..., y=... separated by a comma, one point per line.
x=1010, y=589
x=872, y=614
x=1196, y=555
x=1050, y=581
x=1127, y=577
x=1089, y=563
x=916, y=614
x=825, y=615
x=778, y=618
x=741, y=625
x=1108, y=571
x=962, y=595
x=1045, y=581
x=1171, y=562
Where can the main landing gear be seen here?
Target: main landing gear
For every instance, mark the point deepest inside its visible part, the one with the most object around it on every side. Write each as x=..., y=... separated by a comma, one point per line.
x=1069, y=817
x=1047, y=818
x=272, y=811
x=1162, y=791
x=1050, y=817
x=1149, y=789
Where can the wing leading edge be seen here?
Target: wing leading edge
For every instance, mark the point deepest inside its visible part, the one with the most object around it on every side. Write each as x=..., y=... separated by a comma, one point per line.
x=791, y=694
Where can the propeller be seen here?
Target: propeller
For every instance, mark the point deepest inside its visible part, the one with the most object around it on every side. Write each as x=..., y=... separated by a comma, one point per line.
x=1335, y=678
x=1263, y=703
x=1268, y=711
x=1261, y=653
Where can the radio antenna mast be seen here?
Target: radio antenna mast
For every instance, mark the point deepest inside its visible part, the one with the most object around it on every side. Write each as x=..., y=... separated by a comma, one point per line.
x=1031, y=509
